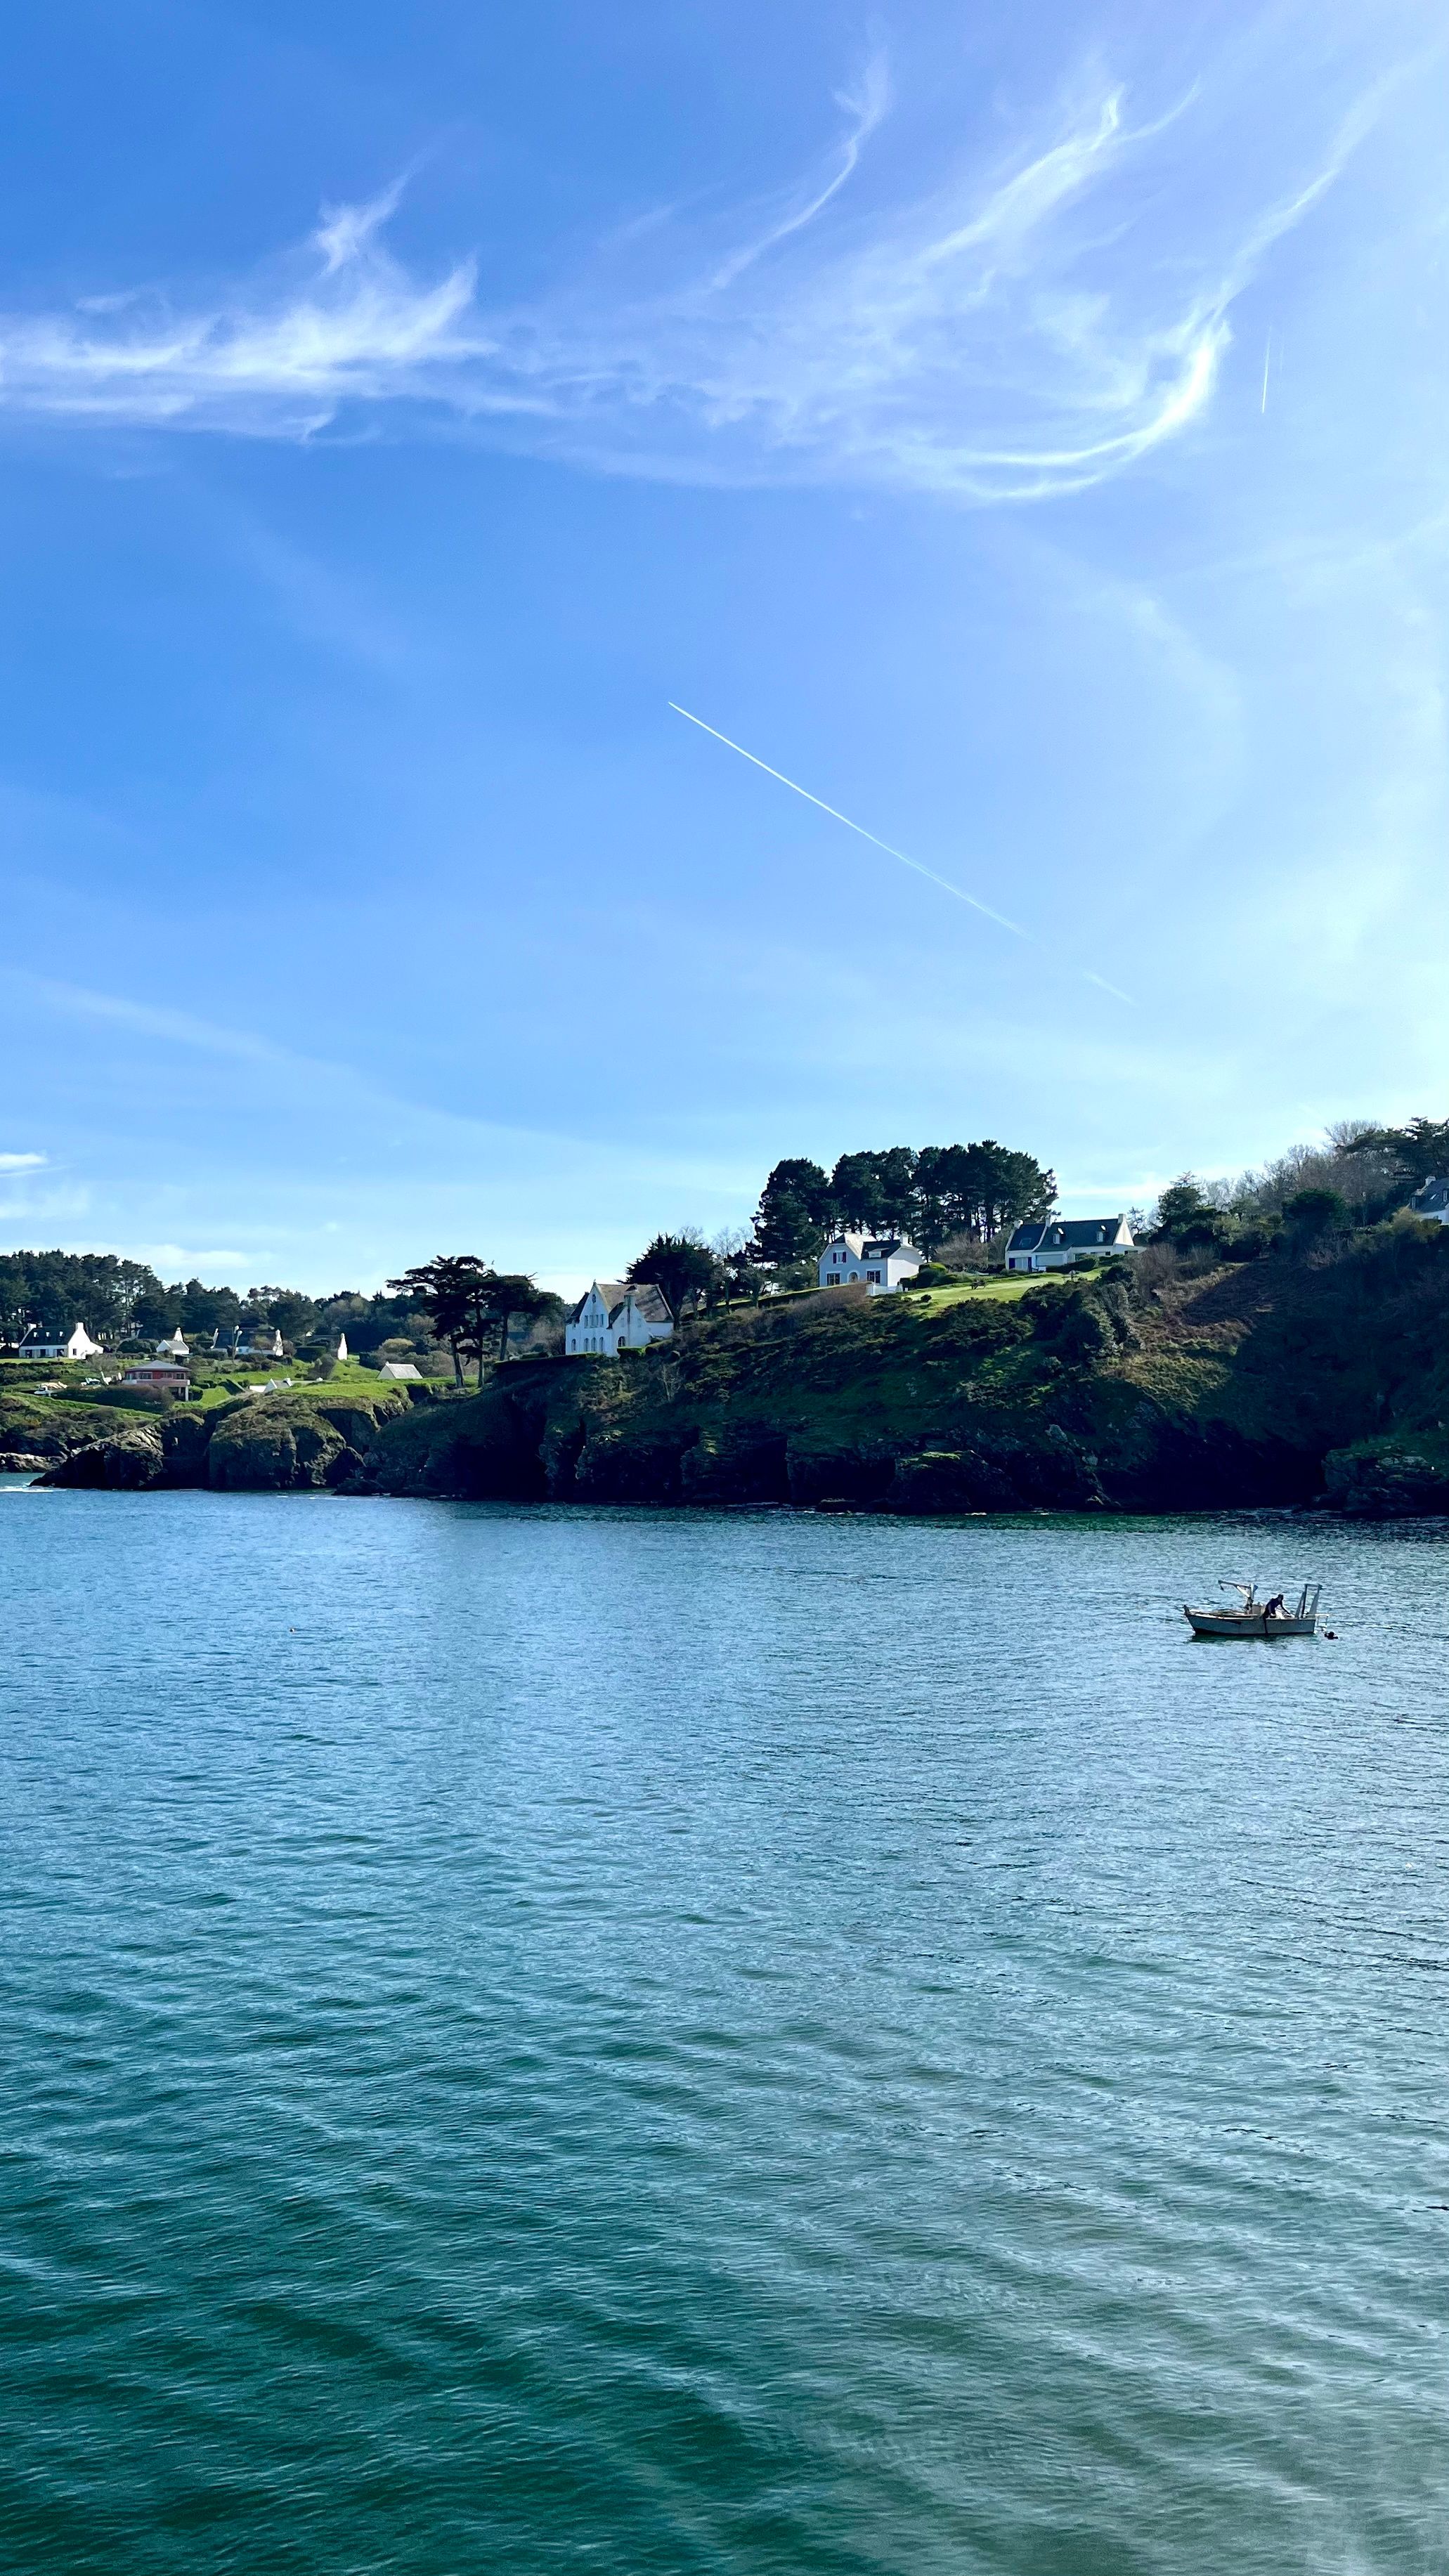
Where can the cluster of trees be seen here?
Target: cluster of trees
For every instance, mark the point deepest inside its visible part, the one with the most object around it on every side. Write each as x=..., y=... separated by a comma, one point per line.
x=937, y=1195
x=52, y=1290
x=123, y=1301
x=1358, y=1176
x=471, y=1307
x=458, y=1301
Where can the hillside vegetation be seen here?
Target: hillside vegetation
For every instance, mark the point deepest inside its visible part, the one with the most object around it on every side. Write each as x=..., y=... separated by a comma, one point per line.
x=1281, y=1381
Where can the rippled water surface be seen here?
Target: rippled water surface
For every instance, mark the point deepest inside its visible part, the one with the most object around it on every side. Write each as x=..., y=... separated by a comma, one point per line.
x=546, y=2040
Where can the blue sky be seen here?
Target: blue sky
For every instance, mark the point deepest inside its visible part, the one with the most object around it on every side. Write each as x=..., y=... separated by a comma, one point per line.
x=400, y=408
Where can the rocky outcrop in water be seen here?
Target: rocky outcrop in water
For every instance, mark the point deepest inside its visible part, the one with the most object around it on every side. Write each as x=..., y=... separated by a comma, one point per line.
x=1389, y=1479
x=299, y=1441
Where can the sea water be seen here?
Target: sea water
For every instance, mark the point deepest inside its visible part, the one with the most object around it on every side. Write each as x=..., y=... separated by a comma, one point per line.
x=627, y=2041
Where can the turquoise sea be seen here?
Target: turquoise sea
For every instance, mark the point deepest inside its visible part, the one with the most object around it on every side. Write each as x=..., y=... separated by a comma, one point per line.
x=717, y=2043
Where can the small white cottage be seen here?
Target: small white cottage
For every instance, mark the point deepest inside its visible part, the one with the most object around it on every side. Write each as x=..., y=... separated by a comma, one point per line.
x=614, y=1317
x=74, y=1345
x=1432, y=1201
x=1054, y=1243
x=878, y=1261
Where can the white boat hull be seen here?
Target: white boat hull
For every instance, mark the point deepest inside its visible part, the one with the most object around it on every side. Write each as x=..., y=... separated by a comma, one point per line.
x=1251, y=1623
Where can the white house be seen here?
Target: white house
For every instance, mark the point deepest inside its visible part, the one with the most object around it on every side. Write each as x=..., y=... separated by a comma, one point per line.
x=74, y=1345
x=406, y=1369
x=1054, y=1242
x=615, y=1317
x=1432, y=1201
x=880, y=1261
x=175, y=1347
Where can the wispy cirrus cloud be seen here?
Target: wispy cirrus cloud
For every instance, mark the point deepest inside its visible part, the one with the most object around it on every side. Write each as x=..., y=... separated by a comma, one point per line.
x=1021, y=331
x=21, y=1162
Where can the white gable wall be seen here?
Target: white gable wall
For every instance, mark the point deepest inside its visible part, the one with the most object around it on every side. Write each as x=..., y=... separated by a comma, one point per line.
x=598, y=1331
x=846, y=1259
x=75, y=1345
x=587, y=1335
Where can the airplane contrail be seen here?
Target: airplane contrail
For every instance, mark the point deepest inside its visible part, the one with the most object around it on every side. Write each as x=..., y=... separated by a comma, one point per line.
x=889, y=847
x=1267, y=354
x=836, y=816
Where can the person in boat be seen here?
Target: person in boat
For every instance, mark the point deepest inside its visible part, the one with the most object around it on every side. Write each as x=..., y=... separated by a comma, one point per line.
x=1277, y=1608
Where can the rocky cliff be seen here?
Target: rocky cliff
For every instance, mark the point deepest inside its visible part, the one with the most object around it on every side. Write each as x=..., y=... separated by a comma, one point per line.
x=298, y=1440
x=1276, y=1382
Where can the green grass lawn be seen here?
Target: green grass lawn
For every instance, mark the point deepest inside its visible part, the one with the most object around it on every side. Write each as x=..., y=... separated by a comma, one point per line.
x=990, y=1284
x=994, y=1285
x=353, y=1379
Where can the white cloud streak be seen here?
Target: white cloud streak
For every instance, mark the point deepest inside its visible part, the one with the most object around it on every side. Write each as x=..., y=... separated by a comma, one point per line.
x=1019, y=333
x=21, y=1162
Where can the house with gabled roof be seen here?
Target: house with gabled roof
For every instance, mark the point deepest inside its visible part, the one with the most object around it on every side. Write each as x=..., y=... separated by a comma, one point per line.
x=878, y=1261
x=1055, y=1242
x=1432, y=1201
x=615, y=1317
x=74, y=1345
x=165, y=1375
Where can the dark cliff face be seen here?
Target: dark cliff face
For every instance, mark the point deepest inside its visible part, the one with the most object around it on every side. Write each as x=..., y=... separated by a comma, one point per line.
x=1274, y=1383
x=1270, y=1384
x=301, y=1441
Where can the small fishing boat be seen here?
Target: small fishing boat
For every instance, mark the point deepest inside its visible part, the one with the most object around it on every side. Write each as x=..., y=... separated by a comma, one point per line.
x=1250, y=1617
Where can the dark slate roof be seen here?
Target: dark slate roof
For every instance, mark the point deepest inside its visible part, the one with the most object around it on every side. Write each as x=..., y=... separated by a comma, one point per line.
x=873, y=1247
x=1431, y=1198
x=651, y=1304
x=1065, y=1234
x=613, y=1292
x=646, y=1297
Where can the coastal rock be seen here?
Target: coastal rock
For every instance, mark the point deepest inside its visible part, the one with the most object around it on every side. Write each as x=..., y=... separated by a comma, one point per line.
x=1168, y=1465
x=950, y=1480
x=860, y=1473
x=126, y=1463
x=1389, y=1479
x=185, y=1439
x=1238, y=1387
x=1001, y=1475
x=744, y=1463
x=620, y=1467
x=265, y=1452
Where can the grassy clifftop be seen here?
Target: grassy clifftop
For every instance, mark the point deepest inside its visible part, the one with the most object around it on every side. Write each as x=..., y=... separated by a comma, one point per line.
x=1270, y=1382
